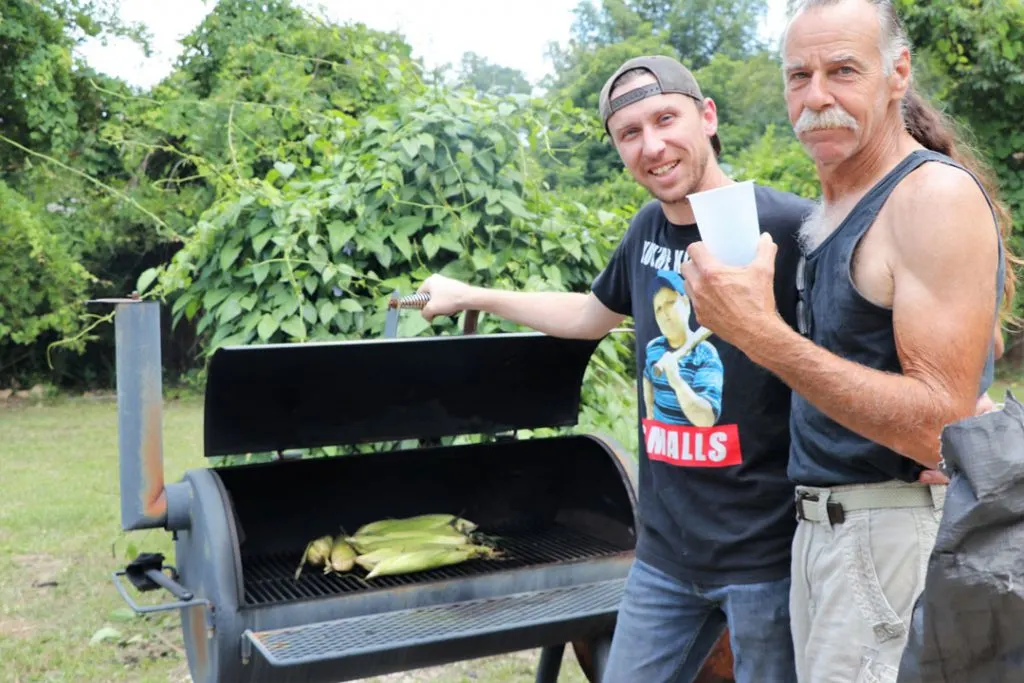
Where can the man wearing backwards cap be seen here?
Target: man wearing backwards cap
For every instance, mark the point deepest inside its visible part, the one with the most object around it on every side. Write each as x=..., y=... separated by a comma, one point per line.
x=716, y=511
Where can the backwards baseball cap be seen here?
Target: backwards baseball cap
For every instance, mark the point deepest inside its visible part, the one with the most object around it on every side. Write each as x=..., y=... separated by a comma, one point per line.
x=670, y=77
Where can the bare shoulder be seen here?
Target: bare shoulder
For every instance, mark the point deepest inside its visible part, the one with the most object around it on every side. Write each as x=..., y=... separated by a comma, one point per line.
x=939, y=213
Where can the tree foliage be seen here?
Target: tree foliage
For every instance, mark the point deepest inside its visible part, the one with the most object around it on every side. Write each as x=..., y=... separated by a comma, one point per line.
x=290, y=172
x=978, y=45
x=439, y=182
x=44, y=285
x=701, y=30
x=695, y=30
x=41, y=89
x=777, y=159
x=480, y=74
x=748, y=98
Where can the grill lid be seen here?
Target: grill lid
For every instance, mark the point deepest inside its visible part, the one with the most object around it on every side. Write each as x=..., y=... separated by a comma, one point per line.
x=274, y=397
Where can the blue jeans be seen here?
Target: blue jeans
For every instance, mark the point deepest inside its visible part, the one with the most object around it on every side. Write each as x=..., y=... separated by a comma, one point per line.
x=666, y=628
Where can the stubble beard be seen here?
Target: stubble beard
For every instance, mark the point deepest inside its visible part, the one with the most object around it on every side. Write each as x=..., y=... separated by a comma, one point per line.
x=690, y=184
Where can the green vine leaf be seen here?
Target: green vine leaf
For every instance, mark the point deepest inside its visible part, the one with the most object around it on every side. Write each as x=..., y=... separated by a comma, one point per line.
x=285, y=169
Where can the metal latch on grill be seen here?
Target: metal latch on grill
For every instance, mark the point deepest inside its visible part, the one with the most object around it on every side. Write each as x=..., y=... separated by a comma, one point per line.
x=146, y=573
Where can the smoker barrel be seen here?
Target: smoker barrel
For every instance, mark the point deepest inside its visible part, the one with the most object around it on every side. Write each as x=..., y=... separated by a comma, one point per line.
x=561, y=509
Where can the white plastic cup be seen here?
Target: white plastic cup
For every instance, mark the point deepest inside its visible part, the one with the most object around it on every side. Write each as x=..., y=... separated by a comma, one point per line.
x=727, y=222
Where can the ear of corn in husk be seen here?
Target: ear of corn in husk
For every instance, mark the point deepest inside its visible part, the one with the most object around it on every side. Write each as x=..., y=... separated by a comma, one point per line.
x=342, y=557
x=370, y=542
x=425, y=559
x=396, y=546
x=371, y=559
x=317, y=553
x=417, y=523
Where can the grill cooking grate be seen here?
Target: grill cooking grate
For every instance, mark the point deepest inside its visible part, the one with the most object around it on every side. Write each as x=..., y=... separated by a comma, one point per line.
x=271, y=578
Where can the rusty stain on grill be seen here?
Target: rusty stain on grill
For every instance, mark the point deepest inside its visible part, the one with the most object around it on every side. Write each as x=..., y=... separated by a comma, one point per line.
x=153, y=495
x=270, y=579
x=198, y=644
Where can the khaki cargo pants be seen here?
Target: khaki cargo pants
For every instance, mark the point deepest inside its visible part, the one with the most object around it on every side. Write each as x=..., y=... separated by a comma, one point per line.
x=860, y=556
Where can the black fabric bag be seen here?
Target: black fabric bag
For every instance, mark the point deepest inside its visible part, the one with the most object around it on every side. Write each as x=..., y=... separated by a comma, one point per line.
x=968, y=624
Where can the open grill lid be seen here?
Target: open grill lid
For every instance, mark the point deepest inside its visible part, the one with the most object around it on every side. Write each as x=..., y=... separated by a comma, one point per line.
x=273, y=397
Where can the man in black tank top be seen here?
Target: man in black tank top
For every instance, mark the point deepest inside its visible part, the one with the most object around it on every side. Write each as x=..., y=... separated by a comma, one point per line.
x=899, y=295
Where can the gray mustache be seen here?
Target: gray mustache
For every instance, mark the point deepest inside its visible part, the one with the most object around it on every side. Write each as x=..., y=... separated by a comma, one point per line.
x=832, y=117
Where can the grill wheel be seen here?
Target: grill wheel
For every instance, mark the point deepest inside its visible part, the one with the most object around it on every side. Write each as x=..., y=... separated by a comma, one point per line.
x=717, y=667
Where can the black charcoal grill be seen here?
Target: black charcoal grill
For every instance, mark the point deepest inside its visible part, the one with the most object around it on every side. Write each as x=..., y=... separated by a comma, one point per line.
x=562, y=508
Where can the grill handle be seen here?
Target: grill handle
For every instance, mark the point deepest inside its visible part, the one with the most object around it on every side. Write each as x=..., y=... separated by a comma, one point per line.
x=146, y=573
x=418, y=301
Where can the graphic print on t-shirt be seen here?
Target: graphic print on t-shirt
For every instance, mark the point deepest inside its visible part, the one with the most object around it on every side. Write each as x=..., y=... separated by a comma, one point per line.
x=682, y=381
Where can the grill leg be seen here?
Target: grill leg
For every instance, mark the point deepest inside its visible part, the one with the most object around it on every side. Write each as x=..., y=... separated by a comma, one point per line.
x=550, y=663
x=602, y=646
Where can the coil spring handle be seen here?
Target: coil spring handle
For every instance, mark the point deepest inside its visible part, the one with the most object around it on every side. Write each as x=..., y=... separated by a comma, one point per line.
x=418, y=301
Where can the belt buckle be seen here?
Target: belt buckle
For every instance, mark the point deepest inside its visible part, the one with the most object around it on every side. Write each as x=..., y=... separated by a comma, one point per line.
x=802, y=496
x=835, y=511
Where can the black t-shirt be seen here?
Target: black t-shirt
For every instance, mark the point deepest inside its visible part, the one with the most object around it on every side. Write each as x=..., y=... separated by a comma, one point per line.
x=715, y=504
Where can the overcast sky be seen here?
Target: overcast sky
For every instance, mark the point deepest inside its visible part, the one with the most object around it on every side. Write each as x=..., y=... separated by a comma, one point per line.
x=513, y=33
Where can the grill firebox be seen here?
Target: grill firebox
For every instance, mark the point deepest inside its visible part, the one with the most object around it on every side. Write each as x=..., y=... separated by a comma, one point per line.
x=560, y=509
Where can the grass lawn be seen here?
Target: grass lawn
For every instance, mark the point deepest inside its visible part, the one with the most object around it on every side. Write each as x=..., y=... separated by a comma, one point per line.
x=998, y=390
x=60, y=539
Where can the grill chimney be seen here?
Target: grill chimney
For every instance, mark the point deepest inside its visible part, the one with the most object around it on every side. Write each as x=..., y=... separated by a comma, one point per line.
x=146, y=503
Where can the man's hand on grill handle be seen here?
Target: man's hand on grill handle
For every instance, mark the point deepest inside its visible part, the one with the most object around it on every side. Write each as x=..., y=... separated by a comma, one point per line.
x=559, y=314
x=447, y=296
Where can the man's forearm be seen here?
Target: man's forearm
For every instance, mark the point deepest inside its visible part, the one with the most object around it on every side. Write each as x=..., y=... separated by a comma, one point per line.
x=559, y=314
x=901, y=412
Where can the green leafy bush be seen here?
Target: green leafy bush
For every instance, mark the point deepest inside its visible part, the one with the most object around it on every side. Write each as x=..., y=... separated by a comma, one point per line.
x=777, y=160
x=436, y=182
x=44, y=287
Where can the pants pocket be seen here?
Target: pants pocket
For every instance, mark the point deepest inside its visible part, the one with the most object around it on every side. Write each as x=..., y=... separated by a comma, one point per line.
x=876, y=672
x=872, y=603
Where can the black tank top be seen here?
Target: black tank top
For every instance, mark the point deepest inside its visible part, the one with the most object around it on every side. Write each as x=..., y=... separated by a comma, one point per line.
x=823, y=452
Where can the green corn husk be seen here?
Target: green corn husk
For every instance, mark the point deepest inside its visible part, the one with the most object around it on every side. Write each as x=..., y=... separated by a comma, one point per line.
x=412, y=533
x=370, y=542
x=371, y=559
x=317, y=552
x=417, y=523
x=425, y=559
x=342, y=557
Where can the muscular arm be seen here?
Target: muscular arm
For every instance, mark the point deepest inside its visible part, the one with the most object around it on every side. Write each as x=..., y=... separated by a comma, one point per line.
x=944, y=269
